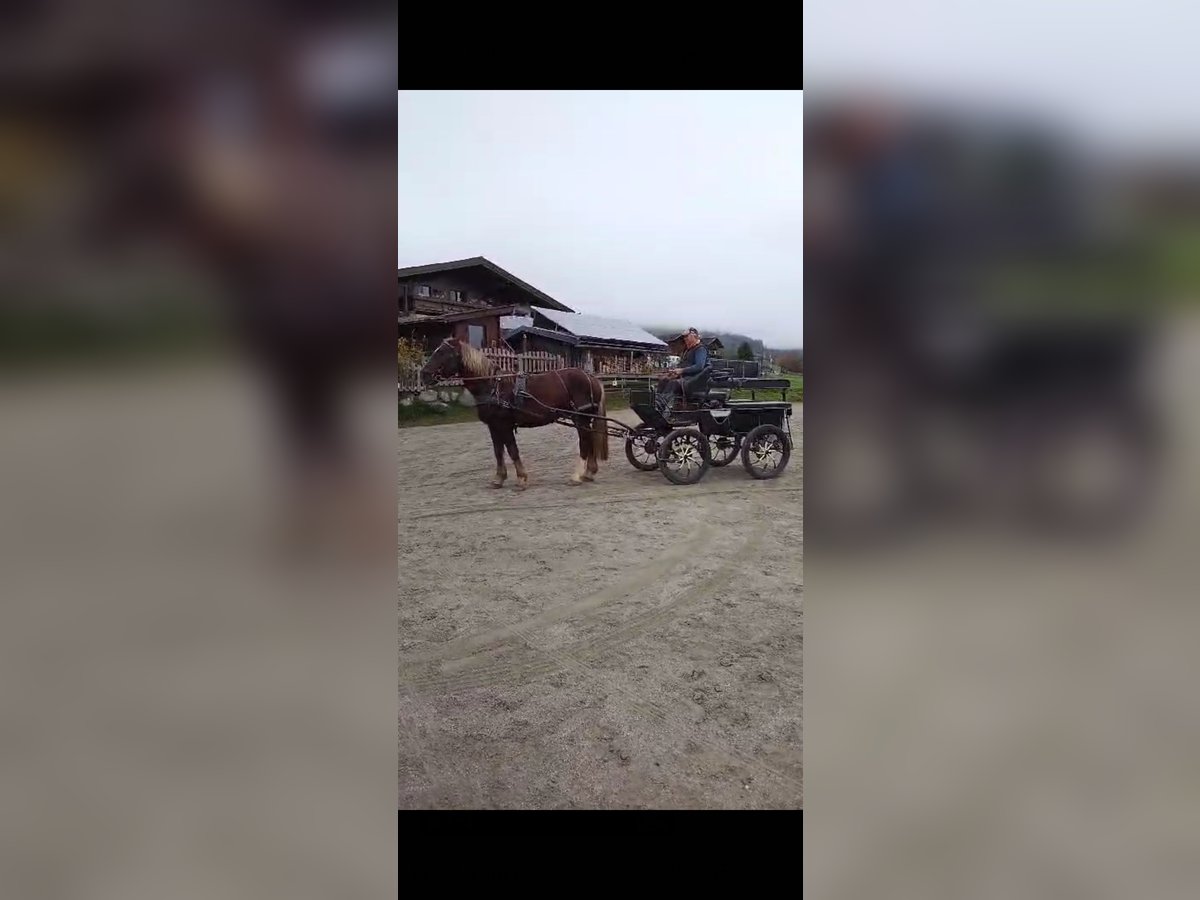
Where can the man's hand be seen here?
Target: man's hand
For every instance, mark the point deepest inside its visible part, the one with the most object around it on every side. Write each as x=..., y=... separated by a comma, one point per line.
x=674, y=373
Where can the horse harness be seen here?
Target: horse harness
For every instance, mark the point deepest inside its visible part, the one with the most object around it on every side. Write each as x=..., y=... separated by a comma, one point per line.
x=495, y=398
x=521, y=393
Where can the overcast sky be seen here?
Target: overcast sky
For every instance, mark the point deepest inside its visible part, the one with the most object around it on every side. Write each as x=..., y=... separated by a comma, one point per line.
x=664, y=208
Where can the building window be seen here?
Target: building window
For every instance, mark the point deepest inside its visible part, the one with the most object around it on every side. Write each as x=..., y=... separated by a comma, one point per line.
x=475, y=335
x=458, y=296
x=422, y=290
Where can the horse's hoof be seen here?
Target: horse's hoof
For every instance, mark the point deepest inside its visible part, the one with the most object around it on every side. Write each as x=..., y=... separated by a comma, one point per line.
x=497, y=484
x=589, y=478
x=575, y=480
x=521, y=485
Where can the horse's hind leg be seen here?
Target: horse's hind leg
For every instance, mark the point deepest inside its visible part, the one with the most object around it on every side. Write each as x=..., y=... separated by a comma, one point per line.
x=510, y=440
x=498, y=447
x=583, y=466
x=593, y=464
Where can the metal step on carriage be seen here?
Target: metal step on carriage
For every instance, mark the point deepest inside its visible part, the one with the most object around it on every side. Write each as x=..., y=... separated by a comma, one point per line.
x=705, y=429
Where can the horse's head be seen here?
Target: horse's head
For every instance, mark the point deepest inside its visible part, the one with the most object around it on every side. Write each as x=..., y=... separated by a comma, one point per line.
x=446, y=362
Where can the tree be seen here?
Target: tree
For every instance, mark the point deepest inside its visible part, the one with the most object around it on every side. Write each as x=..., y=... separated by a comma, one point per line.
x=744, y=351
x=792, y=362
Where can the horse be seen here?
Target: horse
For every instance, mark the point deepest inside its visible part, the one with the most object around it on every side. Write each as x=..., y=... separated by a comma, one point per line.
x=547, y=398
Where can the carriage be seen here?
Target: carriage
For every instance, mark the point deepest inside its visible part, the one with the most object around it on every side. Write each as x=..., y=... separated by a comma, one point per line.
x=708, y=429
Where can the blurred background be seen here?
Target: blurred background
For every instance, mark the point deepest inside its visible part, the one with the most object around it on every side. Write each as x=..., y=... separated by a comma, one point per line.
x=197, y=229
x=1002, y=289
x=197, y=242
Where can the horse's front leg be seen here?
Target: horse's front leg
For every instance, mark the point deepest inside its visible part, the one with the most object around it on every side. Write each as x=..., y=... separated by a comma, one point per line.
x=498, y=448
x=510, y=440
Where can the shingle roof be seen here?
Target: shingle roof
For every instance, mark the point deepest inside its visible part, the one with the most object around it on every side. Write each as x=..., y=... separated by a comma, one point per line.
x=538, y=298
x=559, y=336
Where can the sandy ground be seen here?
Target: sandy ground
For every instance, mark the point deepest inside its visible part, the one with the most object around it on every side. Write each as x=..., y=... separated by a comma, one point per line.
x=627, y=643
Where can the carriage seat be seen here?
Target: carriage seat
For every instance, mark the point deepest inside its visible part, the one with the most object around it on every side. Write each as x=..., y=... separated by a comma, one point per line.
x=700, y=391
x=696, y=393
x=696, y=387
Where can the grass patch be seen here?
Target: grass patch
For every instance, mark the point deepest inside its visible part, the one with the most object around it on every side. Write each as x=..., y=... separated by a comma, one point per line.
x=419, y=414
x=795, y=393
x=613, y=400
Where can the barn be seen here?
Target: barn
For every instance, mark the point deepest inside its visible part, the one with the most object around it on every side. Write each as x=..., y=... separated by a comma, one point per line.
x=594, y=343
x=464, y=299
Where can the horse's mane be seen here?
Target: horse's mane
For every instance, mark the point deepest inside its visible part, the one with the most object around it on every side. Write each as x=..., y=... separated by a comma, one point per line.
x=475, y=361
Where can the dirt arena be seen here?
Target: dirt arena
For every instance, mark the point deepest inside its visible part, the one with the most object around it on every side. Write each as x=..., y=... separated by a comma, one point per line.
x=627, y=643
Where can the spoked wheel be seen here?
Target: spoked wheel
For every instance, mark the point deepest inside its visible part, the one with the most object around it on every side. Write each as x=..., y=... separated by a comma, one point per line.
x=724, y=448
x=766, y=451
x=641, y=449
x=683, y=456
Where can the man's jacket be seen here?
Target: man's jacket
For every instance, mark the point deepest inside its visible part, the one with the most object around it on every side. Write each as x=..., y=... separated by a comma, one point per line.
x=693, y=361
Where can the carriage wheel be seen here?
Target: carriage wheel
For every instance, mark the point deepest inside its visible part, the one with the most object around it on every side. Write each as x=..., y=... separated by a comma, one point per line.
x=766, y=451
x=641, y=449
x=683, y=456
x=724, y=448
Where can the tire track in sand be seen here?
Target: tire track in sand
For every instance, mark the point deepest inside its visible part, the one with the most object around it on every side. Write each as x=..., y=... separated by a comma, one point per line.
x=623, y=497
x=647, y=574
x=575, y=658
x=675, y=724
x=535, y=663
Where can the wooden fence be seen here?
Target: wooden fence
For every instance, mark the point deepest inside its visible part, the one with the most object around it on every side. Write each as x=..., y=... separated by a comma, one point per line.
x=621, y=365
x=408, y=380
x=531, y=361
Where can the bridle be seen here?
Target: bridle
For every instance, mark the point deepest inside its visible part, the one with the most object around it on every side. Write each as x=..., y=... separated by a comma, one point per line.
x=452, y=343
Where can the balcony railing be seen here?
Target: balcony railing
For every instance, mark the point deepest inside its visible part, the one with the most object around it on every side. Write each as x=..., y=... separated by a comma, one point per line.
x=437, y=301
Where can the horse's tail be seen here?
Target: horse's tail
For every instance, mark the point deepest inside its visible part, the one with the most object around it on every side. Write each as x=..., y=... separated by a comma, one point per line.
x=600, y=428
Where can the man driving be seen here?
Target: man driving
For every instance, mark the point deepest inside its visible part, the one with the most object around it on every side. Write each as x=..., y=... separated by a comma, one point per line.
x=691, y=363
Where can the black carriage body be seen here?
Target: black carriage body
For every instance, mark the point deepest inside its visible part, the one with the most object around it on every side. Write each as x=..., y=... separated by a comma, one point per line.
x=719, y=417
x=740, y=417
x=642, y=403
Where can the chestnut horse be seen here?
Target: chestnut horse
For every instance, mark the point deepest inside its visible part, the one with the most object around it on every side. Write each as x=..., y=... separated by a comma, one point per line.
x=567, y=395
